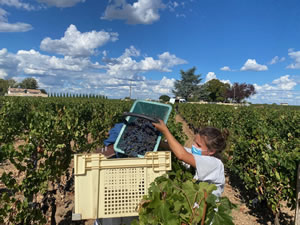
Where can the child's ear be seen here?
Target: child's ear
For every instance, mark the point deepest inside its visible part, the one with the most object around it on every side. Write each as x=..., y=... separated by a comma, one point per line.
x=211, y=152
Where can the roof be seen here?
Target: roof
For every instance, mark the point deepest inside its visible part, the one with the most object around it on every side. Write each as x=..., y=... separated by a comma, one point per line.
x=34, y=91
x=16, y=90
x=22, y=90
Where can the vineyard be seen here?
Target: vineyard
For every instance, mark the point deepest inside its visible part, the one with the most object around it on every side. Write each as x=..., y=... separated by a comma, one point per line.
x=264, y=149
x=38, y=138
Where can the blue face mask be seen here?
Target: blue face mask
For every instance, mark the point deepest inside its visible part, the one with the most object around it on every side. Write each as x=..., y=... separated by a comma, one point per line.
x=196, y=151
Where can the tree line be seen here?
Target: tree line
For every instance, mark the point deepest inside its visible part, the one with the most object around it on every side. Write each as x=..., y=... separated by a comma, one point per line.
x=189, y=88
x=76, y=95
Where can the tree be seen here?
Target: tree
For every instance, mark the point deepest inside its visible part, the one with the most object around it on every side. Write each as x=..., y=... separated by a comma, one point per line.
x=201, y=94
x=164, y=98
x=217, y=90
x=5, y=84
x=43, y=91
x=12, y=83
x=3, y=87
x=237, y=92
x=29, y=83
x=188, y=86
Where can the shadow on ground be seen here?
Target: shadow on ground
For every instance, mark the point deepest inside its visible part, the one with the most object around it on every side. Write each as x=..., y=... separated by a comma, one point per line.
x=67, y=220
x=258, y=209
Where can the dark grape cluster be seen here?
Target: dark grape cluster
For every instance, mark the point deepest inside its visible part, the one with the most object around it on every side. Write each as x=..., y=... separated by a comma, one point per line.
x=139, y=137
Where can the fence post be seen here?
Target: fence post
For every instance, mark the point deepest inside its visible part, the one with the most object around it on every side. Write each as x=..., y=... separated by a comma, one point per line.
x=297, y=214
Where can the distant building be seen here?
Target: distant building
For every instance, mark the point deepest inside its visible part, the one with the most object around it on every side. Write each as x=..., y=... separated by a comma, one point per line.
x=284, y=103
x=25, y=92
x=177, y=100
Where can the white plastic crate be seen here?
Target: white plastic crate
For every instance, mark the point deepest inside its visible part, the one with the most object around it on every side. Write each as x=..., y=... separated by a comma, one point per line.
x=108, y=188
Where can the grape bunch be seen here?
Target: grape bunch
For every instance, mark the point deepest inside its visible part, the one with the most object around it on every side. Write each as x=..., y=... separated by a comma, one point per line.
x=139, y=137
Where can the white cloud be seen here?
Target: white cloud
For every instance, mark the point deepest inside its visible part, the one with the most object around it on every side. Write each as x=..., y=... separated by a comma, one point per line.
x=3, y=74
x=180, y=15
x=32, y=60
x=172, y=5
x=252, y=65
x=125, y=71
x=131, y=51
x=175, y=4
x=3, y=51
x=212, y=75
x=296, y=57
x=226, y=82
x=61, y=3
x=8, y=63
x=125, y=64
x=5, y=26
x=80, y=75
x=225, y=68
x=276, y=59
x=168, y=60
x=17, y=4
x=77, y=44
x=164, y=87
x=140, y=12
x=150, y=88
x=33, y=71
x=285, y=83
x=177, y=8
x=280, y=90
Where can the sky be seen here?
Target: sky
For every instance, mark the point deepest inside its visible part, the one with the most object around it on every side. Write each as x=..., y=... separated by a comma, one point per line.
x=137, y=48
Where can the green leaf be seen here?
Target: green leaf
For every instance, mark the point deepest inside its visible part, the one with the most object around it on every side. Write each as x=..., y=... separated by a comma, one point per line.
x=277, y=175
x=221, y=217
x=190, y=192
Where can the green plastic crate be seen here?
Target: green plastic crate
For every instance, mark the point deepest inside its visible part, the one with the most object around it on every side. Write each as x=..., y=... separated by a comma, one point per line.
x=148, y=108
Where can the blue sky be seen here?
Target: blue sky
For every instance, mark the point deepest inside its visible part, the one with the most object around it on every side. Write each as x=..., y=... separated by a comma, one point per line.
x=103, y=47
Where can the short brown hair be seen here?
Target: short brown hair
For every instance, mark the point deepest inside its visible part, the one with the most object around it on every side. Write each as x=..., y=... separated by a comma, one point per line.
x=214, y=139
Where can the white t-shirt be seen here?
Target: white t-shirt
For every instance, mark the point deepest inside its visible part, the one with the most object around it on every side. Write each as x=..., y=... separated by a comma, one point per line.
x=210, y=169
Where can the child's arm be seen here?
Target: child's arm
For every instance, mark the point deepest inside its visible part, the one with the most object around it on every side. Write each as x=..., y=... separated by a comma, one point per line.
x=175, y=146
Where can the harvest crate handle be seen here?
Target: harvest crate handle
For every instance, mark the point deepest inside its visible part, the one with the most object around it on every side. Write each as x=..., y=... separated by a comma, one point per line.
x=151, y=119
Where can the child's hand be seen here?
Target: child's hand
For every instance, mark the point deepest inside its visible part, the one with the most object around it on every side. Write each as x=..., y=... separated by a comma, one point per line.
x=161, y=126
